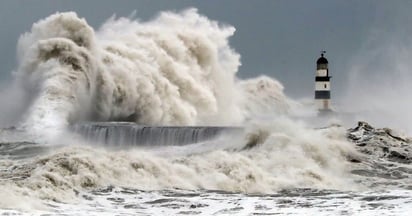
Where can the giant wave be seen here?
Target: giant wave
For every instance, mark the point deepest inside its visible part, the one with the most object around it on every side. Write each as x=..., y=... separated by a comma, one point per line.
x=177, y=69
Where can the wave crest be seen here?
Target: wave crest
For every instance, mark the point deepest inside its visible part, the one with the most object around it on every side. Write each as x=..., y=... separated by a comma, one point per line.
x=176, y=69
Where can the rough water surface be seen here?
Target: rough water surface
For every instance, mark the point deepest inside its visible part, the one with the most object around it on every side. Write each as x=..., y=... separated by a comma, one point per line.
x=173, y=79
x=190, y=180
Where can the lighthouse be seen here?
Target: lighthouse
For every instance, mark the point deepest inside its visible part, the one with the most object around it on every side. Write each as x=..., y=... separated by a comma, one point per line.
x=322, y=84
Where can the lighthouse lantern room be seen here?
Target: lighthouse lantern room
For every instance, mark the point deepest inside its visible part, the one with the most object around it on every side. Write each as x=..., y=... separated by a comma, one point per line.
x=322, y=84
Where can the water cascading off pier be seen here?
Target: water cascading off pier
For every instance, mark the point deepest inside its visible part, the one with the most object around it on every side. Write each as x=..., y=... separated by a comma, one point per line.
x=131, y=134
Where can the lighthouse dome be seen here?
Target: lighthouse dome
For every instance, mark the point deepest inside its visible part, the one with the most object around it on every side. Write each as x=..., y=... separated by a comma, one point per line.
x=322, y=60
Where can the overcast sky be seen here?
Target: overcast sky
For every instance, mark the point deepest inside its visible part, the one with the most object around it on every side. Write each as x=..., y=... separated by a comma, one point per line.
x=278, y=38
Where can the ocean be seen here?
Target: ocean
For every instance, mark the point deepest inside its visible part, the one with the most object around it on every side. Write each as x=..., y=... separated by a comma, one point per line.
x=269, y=175
x=149, y=118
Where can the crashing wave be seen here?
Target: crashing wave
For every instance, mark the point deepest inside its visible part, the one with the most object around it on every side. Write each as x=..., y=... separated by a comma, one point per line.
x=265, y=95
x=177, y=69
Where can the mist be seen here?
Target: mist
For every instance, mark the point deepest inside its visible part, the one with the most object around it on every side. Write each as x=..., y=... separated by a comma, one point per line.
x=379, y=78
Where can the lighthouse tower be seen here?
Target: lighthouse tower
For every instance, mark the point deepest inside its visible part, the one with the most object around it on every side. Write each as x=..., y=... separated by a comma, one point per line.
x=322, y=84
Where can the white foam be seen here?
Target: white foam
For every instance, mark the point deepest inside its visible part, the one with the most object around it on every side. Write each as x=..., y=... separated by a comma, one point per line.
x=177, y=69
x=287, y=155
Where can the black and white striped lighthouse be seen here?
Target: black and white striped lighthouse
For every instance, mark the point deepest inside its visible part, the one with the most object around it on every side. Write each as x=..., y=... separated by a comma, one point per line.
x=322, y=84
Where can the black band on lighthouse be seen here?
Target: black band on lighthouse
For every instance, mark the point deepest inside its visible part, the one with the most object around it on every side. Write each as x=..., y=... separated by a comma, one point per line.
x=322, y=79
x=322, y=94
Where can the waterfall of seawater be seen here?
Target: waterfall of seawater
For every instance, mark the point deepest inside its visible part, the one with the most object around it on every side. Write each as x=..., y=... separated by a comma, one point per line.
x=125, y=133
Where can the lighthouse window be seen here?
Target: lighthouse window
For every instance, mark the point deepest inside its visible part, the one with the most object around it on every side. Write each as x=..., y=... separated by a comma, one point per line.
x=326, y=85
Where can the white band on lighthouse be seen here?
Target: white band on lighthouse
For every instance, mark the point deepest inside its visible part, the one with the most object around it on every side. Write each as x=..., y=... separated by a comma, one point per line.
x=321, y=73
x=322, y=86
